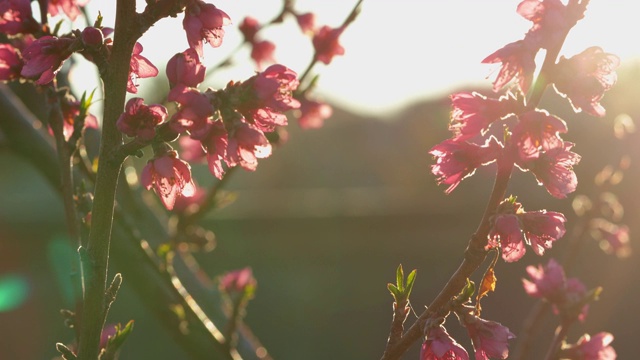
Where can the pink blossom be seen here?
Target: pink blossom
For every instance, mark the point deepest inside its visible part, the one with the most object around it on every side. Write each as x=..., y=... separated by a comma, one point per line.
x=44, y=57
x=307, y=22
x=249, y=28
x=313, y=114
x=554, y=169
x=238, y=281
x=267, y=95
x=537, y=131
x=69, y=7
x=139, y=68
x=274, y=88
x=204, y=21
x=169, y=176
x=551, y=20
x=246, y=144
x=16, y=17
x=457, y=160
x=550, y=283
x=594, y=347
x=585, y=77
x=185, y=68
x=140, y=120
x=214, y=140
x=542, y=228
x=262, y=52
x=439, y=345
x=518, y=61
x=326, y=43
x=547, y=281
x=507, y=233
x=473, y=113
x=10, y=63
x=512, y=227
x=490, y=339
x=194, y=111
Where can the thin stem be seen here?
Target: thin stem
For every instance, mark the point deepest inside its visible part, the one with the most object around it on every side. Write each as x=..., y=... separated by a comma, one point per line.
x=474, y=255
x=95, y=263
x=56, y=121
x=350, y=18
x=133, y=257
x=556, y=344
x=530, y=328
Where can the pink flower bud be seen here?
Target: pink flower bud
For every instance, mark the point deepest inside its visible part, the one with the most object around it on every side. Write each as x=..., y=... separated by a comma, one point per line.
x=307, y=22
x=237, y=281
x=92, y=37
x=185, y=68
x=262, y=52
x=249, y=28
x=326, y=43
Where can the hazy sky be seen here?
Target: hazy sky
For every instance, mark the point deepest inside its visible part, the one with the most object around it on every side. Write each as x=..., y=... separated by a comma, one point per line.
x=400, y=51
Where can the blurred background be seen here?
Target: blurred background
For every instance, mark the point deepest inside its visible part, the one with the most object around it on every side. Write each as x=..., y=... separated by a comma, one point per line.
x=326, y=220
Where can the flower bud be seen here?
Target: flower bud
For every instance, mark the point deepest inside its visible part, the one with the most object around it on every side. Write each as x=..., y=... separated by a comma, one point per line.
x=92, y=37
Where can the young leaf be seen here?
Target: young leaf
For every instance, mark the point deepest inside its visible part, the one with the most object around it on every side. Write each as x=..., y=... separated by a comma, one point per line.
x=410, y=280
x=400, y=278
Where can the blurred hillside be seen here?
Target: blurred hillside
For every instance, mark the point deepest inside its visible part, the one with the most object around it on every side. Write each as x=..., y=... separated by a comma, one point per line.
x=325, y=221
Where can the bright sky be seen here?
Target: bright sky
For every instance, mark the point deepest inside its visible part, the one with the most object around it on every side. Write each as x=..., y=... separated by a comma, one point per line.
x=397, y=52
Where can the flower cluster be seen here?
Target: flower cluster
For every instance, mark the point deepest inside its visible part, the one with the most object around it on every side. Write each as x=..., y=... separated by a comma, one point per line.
x=512, y=228
x=550, y=283
x=262, y=51
x=532, y=141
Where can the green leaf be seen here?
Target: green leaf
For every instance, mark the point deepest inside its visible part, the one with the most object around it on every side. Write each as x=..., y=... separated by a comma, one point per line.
x=115, y=342
x=394, y=291
x=467, y=292
x=98, y=22
x=400, y=278
x=410, y=280
x=85, y=101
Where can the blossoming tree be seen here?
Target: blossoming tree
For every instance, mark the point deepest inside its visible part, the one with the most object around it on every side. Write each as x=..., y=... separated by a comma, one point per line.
x=229, y=127
x=530, y=141
x=237, y=125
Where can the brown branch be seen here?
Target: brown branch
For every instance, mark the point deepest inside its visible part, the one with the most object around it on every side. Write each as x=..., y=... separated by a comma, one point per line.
x=474, y=255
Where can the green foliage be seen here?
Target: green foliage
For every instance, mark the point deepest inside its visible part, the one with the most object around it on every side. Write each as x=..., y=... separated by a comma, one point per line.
x=401, y=290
